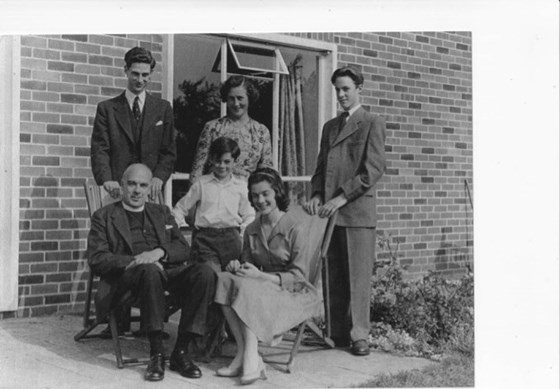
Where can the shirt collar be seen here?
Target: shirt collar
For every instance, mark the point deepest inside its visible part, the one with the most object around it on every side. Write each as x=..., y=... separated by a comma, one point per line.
x=131, y=96
x=282, y=227
x=130, y=209
x=230, y=180
x=354, y=109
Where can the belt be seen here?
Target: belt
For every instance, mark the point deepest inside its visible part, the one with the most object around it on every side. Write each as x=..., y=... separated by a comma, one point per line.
x=217, y=230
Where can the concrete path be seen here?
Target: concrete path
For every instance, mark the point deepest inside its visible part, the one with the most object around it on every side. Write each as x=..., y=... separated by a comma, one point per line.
x=41, y=353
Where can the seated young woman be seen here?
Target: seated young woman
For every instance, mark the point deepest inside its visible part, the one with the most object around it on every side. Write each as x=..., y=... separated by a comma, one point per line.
x=266, y=292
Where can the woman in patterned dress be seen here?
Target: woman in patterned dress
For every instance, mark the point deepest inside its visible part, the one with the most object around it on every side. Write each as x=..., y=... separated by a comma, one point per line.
x=253, y=138
x=267, y=291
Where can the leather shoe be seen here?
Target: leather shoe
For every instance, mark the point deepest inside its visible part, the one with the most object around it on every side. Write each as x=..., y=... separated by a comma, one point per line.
x=249, y=378
x=181, y=363
x=360, y=348
x=156, y=368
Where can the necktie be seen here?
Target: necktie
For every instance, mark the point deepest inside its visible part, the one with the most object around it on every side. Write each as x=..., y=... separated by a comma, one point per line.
x=136, y=109
x=343, y=117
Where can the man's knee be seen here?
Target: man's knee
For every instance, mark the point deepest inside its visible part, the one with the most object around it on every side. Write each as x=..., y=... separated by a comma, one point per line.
x=205, y=273
x=150, y=273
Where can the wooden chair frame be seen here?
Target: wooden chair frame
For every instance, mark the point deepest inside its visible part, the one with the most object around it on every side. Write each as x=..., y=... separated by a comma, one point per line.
x=319, y=269
x=97, y=197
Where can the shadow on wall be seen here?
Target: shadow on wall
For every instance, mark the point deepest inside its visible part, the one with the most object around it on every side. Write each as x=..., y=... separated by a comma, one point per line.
x=452, y=258
x=52, y=270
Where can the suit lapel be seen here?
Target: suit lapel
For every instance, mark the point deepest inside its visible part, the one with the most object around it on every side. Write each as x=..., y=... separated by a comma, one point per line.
x=352, y=125
x=120, y=221
x=122, y=116
x=149, y=115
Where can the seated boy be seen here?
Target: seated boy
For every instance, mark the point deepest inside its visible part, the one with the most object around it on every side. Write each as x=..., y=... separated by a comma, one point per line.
x=221, y=206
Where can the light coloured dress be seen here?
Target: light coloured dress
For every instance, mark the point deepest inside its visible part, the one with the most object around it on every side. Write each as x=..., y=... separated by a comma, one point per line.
x=291, y=250
x=253, y=140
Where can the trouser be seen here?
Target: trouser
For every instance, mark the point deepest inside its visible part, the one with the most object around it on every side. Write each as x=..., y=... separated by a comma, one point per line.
x=216, y=246
x=350, y=259
x=191, y=286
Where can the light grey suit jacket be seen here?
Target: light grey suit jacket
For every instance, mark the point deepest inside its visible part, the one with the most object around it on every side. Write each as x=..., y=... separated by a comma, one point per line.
x=352, y=161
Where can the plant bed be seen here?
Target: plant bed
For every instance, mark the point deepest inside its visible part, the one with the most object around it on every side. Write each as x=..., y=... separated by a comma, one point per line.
x=432, y=317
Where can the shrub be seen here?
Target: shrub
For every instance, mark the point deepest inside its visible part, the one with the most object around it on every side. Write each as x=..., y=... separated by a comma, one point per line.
x=438, y=314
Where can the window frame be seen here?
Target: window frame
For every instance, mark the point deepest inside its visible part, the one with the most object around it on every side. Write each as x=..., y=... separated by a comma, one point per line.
x=325, y=66
x=280, y=67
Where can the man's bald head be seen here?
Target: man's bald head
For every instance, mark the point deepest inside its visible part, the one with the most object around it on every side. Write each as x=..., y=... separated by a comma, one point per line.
x=136, y=168
x=135, y=184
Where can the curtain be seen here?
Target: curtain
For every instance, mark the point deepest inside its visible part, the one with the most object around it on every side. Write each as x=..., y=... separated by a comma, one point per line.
x=291, y=142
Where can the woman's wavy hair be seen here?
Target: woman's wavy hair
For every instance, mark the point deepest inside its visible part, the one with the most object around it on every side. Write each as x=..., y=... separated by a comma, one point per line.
x=273, y=178
x=234, y=82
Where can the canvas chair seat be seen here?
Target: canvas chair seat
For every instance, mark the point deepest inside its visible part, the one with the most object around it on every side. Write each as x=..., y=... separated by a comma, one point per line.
x=319, y=237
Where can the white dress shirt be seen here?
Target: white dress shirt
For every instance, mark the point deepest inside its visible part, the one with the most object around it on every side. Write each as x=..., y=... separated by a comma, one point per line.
x=352, y=110
x=218, y=204
x=131, y=96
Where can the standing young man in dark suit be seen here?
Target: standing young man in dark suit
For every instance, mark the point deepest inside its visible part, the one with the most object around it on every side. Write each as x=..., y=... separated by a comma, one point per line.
x=136, y=246
x=133, y=127
x=351, y=160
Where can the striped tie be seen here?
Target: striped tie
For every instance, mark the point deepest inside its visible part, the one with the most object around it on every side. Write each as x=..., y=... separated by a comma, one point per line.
x=136, y=109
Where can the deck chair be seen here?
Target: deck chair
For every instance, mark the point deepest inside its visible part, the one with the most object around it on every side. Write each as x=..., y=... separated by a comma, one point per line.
x=320, y=232
x=97, y=197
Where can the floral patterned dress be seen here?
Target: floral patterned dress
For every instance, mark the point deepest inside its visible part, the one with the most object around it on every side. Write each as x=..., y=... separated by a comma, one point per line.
x=253, y=140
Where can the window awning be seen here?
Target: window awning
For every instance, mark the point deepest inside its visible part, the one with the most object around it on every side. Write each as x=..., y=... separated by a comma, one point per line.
x=248, y=58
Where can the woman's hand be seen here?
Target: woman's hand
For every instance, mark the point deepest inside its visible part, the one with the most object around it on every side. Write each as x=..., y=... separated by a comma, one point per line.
x=233, y=266
x=249, y=270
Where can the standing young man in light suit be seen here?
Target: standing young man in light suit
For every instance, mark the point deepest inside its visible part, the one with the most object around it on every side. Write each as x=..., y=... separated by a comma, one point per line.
x=351, y=160
x=133, y=127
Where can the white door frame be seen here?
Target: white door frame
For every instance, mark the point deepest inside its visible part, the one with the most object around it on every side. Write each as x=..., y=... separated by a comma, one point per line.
x=9, y=171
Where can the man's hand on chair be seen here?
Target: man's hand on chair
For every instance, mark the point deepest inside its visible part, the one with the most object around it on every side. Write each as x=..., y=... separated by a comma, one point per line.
x=312, y=206
x=333, y=205
x=113, y=188
x=157, y=185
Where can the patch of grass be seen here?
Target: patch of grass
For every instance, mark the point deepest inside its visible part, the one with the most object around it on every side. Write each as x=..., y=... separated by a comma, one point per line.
x=456, y=370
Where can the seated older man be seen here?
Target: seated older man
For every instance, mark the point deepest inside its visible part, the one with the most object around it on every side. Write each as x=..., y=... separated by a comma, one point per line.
x=136, y=246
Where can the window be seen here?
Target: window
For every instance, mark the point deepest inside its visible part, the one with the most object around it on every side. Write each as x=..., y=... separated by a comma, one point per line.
x=292, y=75
x=252, y=60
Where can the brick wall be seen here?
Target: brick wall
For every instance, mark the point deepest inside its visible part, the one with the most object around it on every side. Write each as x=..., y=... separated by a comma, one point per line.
x=420, y=82
x=63, y=77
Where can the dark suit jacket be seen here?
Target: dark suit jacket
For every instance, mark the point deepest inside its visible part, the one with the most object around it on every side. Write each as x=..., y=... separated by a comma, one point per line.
x=113, y=145
x=352, y=161
x=110, y=247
